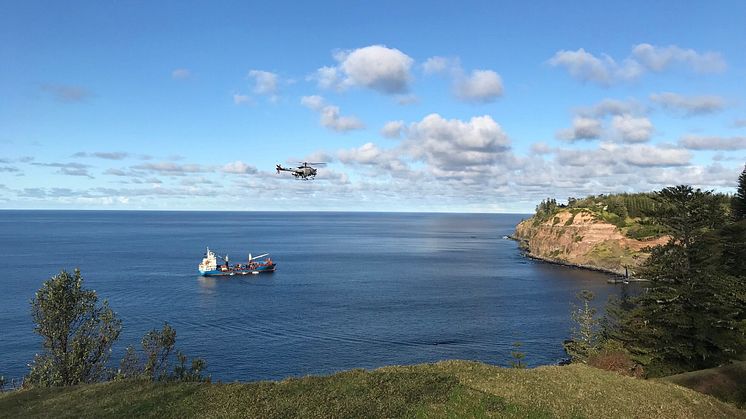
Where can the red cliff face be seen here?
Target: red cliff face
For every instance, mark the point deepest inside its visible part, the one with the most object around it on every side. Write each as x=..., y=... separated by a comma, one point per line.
x=581, y=239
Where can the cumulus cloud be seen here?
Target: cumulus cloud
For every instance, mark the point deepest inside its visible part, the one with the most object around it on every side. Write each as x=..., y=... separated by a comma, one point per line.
x=482, y=86
x=688, y=105
x=240, y=99
x=265, y=82
x=582, y=129
x=454, y=144
x=377, y=67
x=330, y=115
x=696, y=142
x=437, y=65
x=660, y=58
x=608, y=107
x=605, y=70
x=647, y=156
x=587, y=67
x=541, y=148
x=632, y=129
x=238, y=167
x=107, y=155
x=392, y=129
x=181, y=74
x=370, y=154
x=171, y=168
x=67, y=93
x=69, y=169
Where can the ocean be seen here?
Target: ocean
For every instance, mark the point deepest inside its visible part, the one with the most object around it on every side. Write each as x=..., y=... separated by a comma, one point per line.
x=351, y=290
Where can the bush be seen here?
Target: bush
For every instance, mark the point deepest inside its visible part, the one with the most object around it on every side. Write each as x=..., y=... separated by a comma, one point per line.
x=77, y=333
x=611, y=356
x=158, y=346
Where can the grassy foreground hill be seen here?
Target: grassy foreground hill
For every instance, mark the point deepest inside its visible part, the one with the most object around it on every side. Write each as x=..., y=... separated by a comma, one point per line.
x=445, y=389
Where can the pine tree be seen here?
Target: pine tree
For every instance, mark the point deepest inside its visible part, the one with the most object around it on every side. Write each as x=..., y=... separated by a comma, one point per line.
x=692, y=314
x=738, y=204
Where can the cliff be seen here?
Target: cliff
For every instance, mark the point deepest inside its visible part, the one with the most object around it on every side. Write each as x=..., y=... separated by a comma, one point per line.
x=580, y=238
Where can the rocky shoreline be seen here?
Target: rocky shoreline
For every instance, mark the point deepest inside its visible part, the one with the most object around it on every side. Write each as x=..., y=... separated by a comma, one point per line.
x=523, y=244
x=580, y=240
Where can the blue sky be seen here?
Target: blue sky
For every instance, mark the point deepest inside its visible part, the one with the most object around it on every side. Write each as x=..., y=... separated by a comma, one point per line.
x=417, y=106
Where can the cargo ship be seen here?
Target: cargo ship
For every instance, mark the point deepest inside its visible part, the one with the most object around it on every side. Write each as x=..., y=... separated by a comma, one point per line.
x=256, y=265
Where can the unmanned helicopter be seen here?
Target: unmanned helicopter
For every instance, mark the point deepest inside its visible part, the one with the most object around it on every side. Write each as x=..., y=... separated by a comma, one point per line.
x=305, y=171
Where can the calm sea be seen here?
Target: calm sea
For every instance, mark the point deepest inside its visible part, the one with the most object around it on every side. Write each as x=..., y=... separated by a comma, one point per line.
x=352, y=290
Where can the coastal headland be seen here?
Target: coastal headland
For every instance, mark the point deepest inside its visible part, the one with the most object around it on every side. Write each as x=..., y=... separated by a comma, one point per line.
x=588, y=237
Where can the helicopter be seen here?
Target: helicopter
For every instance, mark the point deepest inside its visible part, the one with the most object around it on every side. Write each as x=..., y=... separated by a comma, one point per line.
x=305, y=171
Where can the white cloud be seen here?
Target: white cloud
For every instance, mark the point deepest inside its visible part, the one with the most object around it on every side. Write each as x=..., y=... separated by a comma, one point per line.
x=541, y=148
x=632, y=129
x=696, y=142
x=660, y=58
x=392, y=129
x=314, y=102
x=377, y=67
x=238, y=167
x=587, y=67
x=582, y=129
x=454, y=144
x=688, y=105
x=181, y=74
x=265, y=82
x=330, y=115
x=482, y=86
x=436, y=65
x=611, y=107
x=240, y=99
x=647, y=156
x=605, y=71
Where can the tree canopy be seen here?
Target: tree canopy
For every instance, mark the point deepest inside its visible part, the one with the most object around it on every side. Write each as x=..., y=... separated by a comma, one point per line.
x=77, y=332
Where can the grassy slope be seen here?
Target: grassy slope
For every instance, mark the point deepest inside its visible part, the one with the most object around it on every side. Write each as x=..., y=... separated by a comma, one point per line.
x=727, y=383
x=446, y=389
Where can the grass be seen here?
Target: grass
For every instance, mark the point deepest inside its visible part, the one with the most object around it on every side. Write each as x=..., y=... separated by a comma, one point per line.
x=446, y=389
x=727, y=383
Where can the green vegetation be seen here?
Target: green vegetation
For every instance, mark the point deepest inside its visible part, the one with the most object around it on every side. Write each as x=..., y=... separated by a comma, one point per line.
x=446, y=389
x=738, y=204
x=693, y=314
x=584, y=335
x=630, y=212
x=77, y=333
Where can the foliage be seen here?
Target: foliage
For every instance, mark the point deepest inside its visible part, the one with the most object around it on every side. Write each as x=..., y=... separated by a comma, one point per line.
x=612, y=356
x=517, y=355
x=77, y=333
x=158, y=347
x=738, y=202
x=693, y=314
x=584, y=336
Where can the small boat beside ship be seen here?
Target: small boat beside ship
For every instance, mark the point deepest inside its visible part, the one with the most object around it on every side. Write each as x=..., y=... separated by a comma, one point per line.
x=256, y=265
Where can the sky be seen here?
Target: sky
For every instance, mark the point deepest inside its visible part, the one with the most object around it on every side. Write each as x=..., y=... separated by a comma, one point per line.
x=416, y=106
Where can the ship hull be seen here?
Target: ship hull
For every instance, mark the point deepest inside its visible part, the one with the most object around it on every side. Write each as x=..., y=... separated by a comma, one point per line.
x=234, y=272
